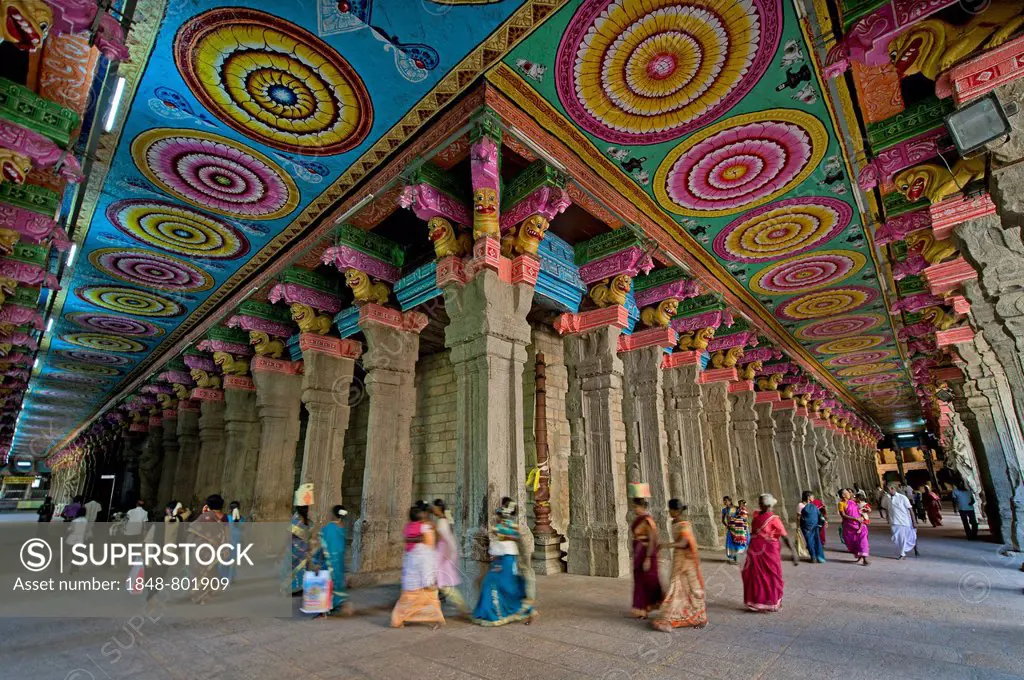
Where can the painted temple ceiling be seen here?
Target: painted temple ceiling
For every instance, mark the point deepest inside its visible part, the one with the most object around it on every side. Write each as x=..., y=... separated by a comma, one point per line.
x=244, y=123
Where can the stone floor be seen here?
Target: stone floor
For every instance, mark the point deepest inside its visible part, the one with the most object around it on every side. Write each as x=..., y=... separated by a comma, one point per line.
x=956, y=612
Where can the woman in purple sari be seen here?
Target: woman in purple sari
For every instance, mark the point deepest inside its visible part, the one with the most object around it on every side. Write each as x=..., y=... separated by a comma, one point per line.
x=647, y=593
x=855, y=529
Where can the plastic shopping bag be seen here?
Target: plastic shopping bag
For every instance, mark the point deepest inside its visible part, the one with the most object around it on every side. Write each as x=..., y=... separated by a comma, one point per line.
x=317, y=592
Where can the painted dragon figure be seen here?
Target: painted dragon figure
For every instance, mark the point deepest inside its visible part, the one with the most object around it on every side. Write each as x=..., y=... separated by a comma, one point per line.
x=308, y=320
x=78, y=16
x=612, y=292
x=264, y=346
x=660, y=315
x=697, y=340
x=204, y=379
x=935, y=182
x=229, y=365
x=25, y=23
x=526, y=240
x=364, y=290
x=932, y=46
x=8, y=239
x=446, y=241
x=42, y=151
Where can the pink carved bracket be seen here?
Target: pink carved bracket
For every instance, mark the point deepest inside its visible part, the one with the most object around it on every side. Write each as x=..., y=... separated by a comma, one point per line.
x=914, y=264
x=41, y=150
x=29, y=274
x=412, y=322
x=254, y=323
x=767, y=397
x=449, y=270
x=948, y=214
x=201, y=363
x=713, y=319
x=679, y=358
x=156, y=389
x=19, y=339
x=426, y=201
x=785, y=405
x=344, y=257
x=734, y=340
x=546, y=201
x=897, y=228
x=954, y=336
x=525, y=269
x=19, y=315
x=947, y=276
x=336, y=347
x=652, y=337
x=913, y=303
x=207, y=394
x=239, y=382
x=882, y=168
x=783, y=368
x=268, y=365
x=631, y=261
x=742, y=386
x=225, y=346
x=682, y=289
x=759, y=354
x=570, y=324
x=32, y=226
x=983, y=74
x=293, y=293
x=718, y=375
x=176, y=377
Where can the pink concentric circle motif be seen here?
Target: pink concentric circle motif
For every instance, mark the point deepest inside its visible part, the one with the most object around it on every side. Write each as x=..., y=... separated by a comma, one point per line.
x=88, y=357
x=781, y=229
x=857, y=358
x=840, y=327
x=119, y=325
x=873, y=379
x=215, y=173
x=152, y=270
x=808, y=272
x=647, y=72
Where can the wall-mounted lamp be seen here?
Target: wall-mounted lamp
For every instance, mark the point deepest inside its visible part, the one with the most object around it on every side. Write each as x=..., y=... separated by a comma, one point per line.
x=981, y=122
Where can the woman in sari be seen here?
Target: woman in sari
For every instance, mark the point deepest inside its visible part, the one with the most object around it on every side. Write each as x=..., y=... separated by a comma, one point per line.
x=932, y=506
x=822, y=508
x=303, y=559
x=332, y=543
x=647, y=593
x=737, y=531
x=684, y=604
x=448, y=578
x=855, y=530
x=762, y=570
x=503, y=589
x=419, y=602
x=810, y=527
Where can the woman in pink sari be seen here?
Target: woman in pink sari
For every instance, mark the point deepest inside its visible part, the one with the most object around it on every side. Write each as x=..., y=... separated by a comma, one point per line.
x=855, y=528
x=448, y=578
x=762, y=571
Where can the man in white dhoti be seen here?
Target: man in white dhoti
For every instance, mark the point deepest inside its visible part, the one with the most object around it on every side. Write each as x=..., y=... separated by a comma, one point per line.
x=902, y=522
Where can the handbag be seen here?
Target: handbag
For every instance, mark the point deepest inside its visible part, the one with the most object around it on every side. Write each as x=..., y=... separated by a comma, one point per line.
x=317, y=592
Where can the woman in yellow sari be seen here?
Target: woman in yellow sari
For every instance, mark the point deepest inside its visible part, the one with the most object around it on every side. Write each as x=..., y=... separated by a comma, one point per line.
x=684, y=604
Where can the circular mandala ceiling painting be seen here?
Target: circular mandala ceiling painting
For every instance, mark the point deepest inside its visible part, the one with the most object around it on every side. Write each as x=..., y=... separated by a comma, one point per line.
x=177, y=229
x=826, y=303
x=215, y=173
x=129, y=300
x=151, y=270
x=642, y=73
x=781, y=229
x=740, y=163
x=850, y=344
x=120, y=325
x=857, y=358
x=273, y=81
x=839, y=327
x=805, y=273
x=104, y=342
x=89, y=357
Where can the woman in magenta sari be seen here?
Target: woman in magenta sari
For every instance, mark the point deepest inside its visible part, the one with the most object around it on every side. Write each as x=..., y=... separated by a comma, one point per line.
x=647, y=593
x=932, y=506
x=762, y=571
x=855, y=528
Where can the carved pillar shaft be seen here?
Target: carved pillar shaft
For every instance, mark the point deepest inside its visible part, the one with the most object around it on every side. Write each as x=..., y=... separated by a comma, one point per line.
x=390, y=363
x=169, y=465
x=150, y=464
x=188, y=453
x=211, y=448
x=689, y=471
x=242, y=441
x=598, y=534
x=643, y=414
x=770, y=456
x=743, y=440
x=805, y=465
x=278, y=394
x=717, y=447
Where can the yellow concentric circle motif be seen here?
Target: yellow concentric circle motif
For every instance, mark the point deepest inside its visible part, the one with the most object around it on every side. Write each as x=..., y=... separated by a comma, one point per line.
x=740, y=163
x=273, y=81
x=784, y=228
x=129, y=301
x=855, y=344
x=840, y=327
x=826, y=303
x=867, y=369
x=807, y=272
x=90, y=369
x=177, y=229
x=104, y=342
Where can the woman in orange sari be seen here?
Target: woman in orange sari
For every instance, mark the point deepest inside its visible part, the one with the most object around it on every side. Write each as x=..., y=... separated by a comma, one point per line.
x=684, y=604
x=419, y=602
x=762, y=572
x=932, y=505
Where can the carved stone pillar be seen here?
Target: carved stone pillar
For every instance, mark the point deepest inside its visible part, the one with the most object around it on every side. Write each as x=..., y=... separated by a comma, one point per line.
x=242, y=436
x=745, y=459
x=488, y=334
x=770, y=456
x=150, y=464
x=598, y=533
x=826, y=457
x=211, y=448
x=188, y=453
x=717, y=426
x=326, y=378
x=169, y=466
x=805, y=465
x=131, y=452
x=689, y=469
x=393, y=342
x=278, y=398
x=644, y=416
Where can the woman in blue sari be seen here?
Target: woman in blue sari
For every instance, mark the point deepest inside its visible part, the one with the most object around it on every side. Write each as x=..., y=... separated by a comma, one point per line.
x=332, y=542
x=503, y=590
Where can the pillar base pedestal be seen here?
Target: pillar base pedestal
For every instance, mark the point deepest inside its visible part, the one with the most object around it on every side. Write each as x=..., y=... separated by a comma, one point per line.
x=547, y=554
